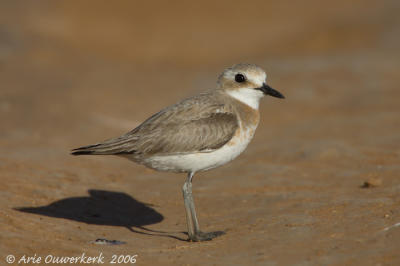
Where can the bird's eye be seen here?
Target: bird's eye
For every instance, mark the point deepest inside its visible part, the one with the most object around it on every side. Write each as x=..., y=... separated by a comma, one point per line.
x=240, y=78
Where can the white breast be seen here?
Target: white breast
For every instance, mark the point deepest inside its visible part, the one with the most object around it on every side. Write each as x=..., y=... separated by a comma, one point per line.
x=202, y=161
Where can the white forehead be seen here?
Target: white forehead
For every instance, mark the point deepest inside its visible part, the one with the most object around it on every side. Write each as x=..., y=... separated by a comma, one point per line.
x=252, y=73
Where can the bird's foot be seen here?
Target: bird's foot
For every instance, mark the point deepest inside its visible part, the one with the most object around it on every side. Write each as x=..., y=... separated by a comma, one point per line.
x=202, y=236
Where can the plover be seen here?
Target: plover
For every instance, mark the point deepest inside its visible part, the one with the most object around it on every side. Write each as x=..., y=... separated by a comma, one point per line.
x=197, y=134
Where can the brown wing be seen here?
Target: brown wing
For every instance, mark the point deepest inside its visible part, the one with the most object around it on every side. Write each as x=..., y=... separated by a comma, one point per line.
x=193, y=125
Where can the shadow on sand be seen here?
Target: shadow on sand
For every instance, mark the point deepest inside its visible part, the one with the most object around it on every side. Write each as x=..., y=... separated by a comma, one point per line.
x=105, y=208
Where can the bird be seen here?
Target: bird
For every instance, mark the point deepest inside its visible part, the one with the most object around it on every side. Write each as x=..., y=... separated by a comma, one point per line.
x=199, y=133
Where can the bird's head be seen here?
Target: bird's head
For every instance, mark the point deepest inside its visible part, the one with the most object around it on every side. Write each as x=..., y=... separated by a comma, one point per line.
x=246, y=83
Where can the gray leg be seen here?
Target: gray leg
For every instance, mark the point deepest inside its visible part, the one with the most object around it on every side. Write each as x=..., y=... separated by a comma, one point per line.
x=193, y=225
x=187, y=197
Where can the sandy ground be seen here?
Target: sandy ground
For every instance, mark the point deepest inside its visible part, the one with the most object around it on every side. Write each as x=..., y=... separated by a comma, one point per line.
x=77, y=72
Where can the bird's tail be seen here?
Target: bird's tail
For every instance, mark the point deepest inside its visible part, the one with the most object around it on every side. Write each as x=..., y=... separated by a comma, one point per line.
x=121, y=145
x=88, y=150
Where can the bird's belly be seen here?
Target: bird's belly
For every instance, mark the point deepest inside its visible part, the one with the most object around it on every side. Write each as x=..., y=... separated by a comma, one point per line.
x=201, y=161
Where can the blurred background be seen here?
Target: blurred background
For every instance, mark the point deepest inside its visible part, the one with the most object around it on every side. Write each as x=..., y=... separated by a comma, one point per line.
x=77, y=72
x=69, y=63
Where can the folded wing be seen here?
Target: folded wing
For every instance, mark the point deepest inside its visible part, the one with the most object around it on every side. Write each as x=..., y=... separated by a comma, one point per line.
x=187, y=127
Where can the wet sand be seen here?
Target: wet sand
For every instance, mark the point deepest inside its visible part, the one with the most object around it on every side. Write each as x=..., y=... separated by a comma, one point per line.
x=318, y=185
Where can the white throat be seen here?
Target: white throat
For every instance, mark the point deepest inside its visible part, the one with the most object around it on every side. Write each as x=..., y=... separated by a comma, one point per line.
x=248, y=96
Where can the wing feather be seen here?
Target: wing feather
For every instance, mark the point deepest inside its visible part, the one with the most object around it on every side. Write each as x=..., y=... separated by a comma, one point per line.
x=193, y=125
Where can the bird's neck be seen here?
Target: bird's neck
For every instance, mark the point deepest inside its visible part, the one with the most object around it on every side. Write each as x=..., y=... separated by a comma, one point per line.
x=250, y=97
x=248, y=115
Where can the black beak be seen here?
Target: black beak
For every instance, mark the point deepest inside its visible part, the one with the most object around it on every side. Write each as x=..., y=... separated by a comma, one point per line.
x=270, y=91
